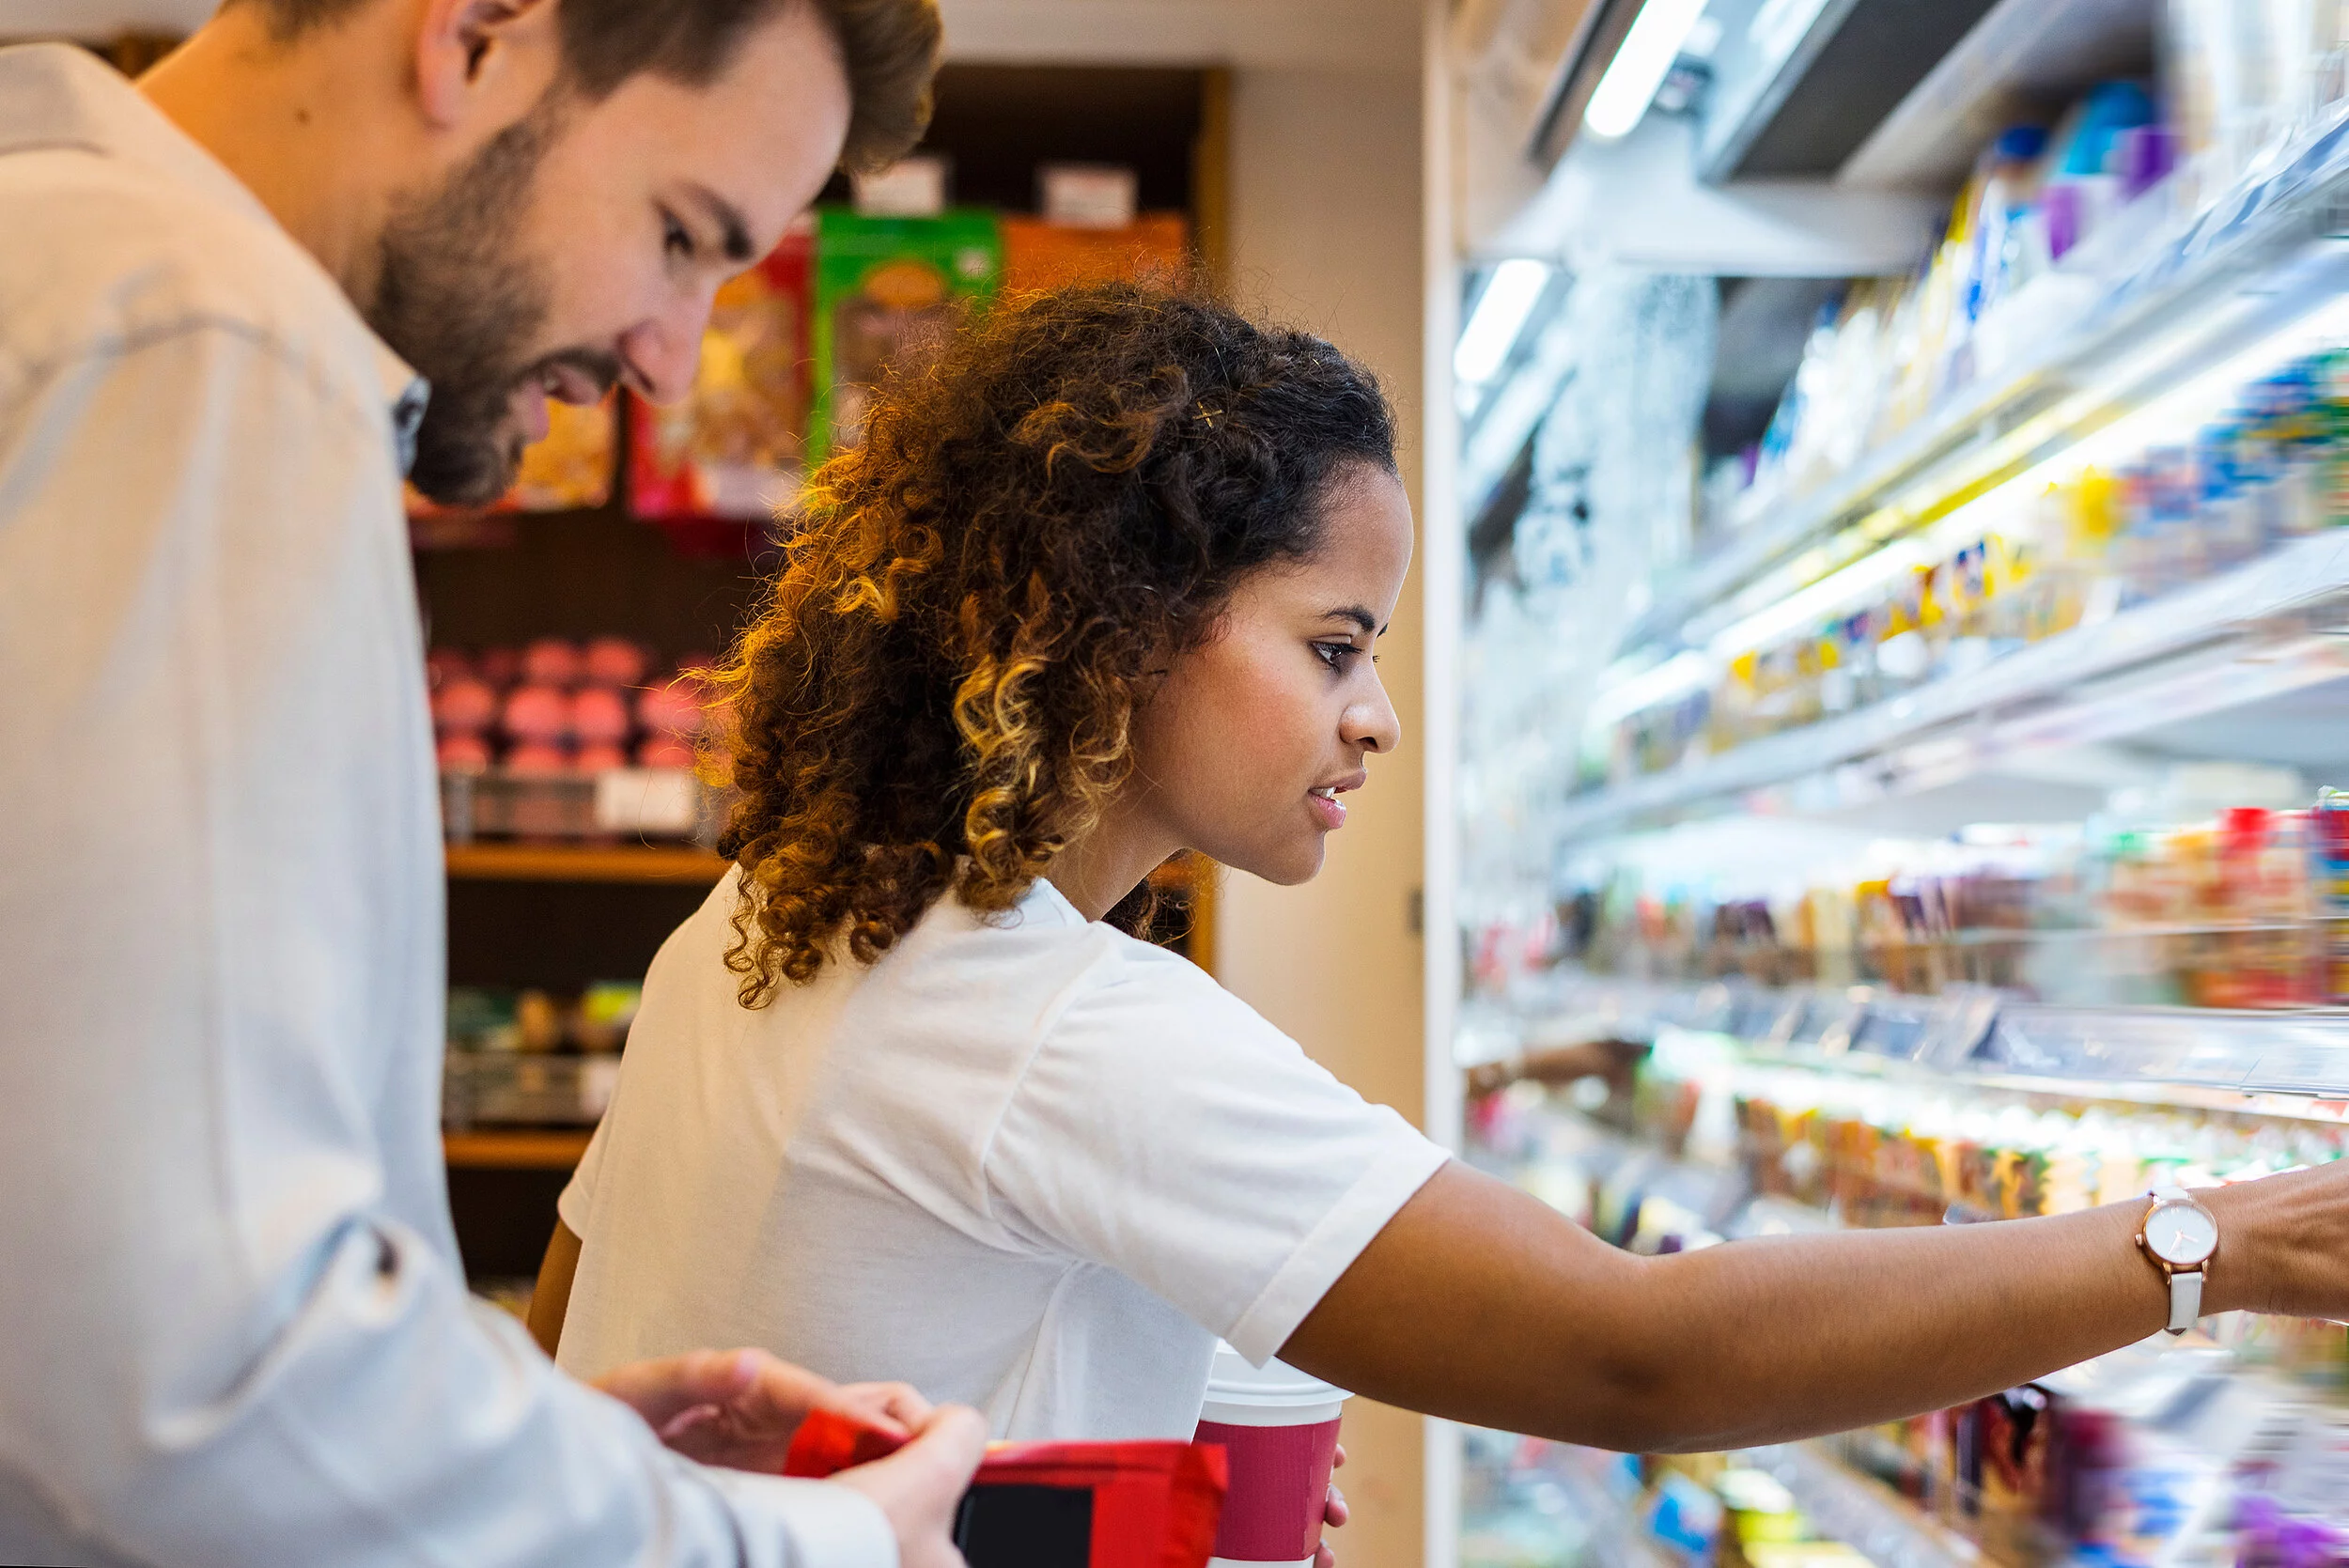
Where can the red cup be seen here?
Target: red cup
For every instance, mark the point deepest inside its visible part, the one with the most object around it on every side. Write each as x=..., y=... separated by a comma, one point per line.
x=1279, y=1430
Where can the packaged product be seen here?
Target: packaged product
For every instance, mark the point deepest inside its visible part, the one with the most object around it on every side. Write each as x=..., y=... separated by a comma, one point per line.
x=1038, y=255
x=888, y=291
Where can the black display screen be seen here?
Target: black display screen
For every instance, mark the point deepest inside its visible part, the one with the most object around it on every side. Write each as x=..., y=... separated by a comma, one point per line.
x=1025, y=1526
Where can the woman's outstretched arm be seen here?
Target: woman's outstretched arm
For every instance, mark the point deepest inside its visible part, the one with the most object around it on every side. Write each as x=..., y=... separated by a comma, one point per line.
x=1482, y=1304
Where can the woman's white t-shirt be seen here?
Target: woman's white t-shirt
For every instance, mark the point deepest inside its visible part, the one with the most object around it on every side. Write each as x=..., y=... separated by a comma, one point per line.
x=1032, y=1164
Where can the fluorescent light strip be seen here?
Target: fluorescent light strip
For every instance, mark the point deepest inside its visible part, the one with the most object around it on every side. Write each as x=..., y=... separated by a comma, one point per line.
x=1500, y=311
x=1677, y=676
x=1502, y=431
x=1640, y=66
x=2172, y=417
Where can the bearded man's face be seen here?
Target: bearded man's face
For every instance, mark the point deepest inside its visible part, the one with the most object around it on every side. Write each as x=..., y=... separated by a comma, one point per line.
x=580, y=247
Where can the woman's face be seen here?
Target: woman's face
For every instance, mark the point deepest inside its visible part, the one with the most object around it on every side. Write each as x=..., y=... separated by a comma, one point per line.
x=1247, y=750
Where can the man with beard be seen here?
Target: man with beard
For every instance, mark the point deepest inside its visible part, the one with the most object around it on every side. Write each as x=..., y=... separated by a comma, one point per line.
x=233, y=1329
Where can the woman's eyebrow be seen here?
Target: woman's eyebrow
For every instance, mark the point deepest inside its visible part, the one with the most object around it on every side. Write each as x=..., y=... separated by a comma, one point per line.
x=1359, y=616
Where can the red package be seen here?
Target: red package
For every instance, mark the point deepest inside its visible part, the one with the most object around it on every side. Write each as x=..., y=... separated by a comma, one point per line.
x=1058, y=1505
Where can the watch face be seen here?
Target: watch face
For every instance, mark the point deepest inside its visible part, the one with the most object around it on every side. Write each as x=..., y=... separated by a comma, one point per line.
x=2182, y=1235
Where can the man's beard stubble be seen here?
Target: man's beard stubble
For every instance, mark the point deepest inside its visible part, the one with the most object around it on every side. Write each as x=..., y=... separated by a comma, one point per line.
x=459, y=299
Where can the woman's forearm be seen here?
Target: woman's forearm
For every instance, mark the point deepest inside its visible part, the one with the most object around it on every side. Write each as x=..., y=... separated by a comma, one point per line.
x=1479, y=1303
x=1787, y=1337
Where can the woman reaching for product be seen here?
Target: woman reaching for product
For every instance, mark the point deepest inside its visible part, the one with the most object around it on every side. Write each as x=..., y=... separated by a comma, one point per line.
x=1104, y=588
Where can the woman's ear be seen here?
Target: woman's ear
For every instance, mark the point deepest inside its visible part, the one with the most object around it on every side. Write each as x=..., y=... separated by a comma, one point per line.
x=483, y=61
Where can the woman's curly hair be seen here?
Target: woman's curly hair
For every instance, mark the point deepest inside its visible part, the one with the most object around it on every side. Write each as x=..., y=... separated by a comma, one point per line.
x=939, y=690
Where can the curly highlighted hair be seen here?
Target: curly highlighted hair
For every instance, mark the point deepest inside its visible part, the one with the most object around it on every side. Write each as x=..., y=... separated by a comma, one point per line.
x=939, y=690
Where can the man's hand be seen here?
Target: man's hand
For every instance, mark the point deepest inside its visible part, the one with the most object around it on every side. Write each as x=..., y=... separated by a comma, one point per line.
x=1333, y=1514
x=919, y=1485
x=739, y=1409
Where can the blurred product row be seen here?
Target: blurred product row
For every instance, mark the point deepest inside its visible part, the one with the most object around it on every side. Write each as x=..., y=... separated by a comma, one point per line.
x=2157, y=901
x=529, y=1058
x=2057, y=209
x=2227, y=1447
x=2022, y=564
x=563, y=741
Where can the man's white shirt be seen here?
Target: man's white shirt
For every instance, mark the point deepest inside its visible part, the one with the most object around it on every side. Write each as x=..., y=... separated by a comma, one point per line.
x=233, y=1327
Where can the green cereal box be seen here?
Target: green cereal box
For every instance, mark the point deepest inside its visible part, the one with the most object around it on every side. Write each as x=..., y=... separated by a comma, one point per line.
x=888, y=289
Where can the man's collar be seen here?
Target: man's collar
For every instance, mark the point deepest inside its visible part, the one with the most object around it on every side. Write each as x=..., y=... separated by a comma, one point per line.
x=56, y=95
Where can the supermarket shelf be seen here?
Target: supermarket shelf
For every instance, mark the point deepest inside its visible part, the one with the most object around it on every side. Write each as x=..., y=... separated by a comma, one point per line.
x=2184, y=1052
x=2249, y=264
x=678, y=865
x=1615, y=1538
x=2022, y=50
x=2172, y=657
x=515, y=1149
x=1844, y=1505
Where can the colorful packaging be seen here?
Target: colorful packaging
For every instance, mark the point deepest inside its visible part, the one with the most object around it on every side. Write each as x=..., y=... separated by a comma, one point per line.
x=732, y=449
x=888, y=291
x=1057, y=1505
x=1039, y=255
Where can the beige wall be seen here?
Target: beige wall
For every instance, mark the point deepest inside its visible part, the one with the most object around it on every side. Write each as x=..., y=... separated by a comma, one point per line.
x=1326, y=234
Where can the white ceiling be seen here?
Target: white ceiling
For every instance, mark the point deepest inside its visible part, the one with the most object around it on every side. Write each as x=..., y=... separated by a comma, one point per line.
x=1330, y=34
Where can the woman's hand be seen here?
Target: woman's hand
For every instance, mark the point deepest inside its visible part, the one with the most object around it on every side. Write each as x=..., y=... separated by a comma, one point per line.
x=740, y=1408
x=2283, y=1244
x=1333, y=1514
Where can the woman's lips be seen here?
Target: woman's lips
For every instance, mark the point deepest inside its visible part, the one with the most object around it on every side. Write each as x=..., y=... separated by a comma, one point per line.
x=1329, y=808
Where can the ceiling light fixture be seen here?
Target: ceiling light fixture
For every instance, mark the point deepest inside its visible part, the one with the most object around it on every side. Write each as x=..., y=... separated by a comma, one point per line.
x=1500, y=311
x=1641, y=63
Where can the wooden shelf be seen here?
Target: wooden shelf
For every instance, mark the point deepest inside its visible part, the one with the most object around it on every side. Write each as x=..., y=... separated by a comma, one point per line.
x=515, y=1148
x=675, y=864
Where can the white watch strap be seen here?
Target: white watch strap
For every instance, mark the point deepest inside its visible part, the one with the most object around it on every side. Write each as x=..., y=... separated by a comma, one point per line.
x=2185, y=1300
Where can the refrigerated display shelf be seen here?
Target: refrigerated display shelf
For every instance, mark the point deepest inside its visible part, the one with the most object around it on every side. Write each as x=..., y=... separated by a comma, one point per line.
x=1863, y=1513
x=2256, y=632
x=1839, y=1503
x=1985, y=1034
x=2244, y=266
x=1616, y=1539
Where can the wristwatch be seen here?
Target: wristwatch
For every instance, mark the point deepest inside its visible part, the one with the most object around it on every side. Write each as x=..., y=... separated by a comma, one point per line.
x=2181, y=1236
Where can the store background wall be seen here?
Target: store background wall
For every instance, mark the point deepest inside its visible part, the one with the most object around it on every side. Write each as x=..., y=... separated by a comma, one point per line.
x=1325, y=233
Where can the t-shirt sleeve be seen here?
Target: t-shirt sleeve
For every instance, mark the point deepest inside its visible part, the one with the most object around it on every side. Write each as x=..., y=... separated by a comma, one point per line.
x=577, y=1198
x=1164, y=1129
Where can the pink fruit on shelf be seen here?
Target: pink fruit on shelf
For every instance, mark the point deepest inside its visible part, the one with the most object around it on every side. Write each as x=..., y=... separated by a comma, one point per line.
x=664, y=751
x=672, y=708
x=599, y=757
x=539, y=713
x=551, y=661
x=443, y=665
x=536, y=758
x=463, y=705
x=499, y=667
x=463, y=753
x=613, y=662
x=599, y=716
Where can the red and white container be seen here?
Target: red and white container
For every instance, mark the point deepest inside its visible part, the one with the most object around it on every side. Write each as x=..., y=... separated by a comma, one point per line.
x=1279, y=1430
